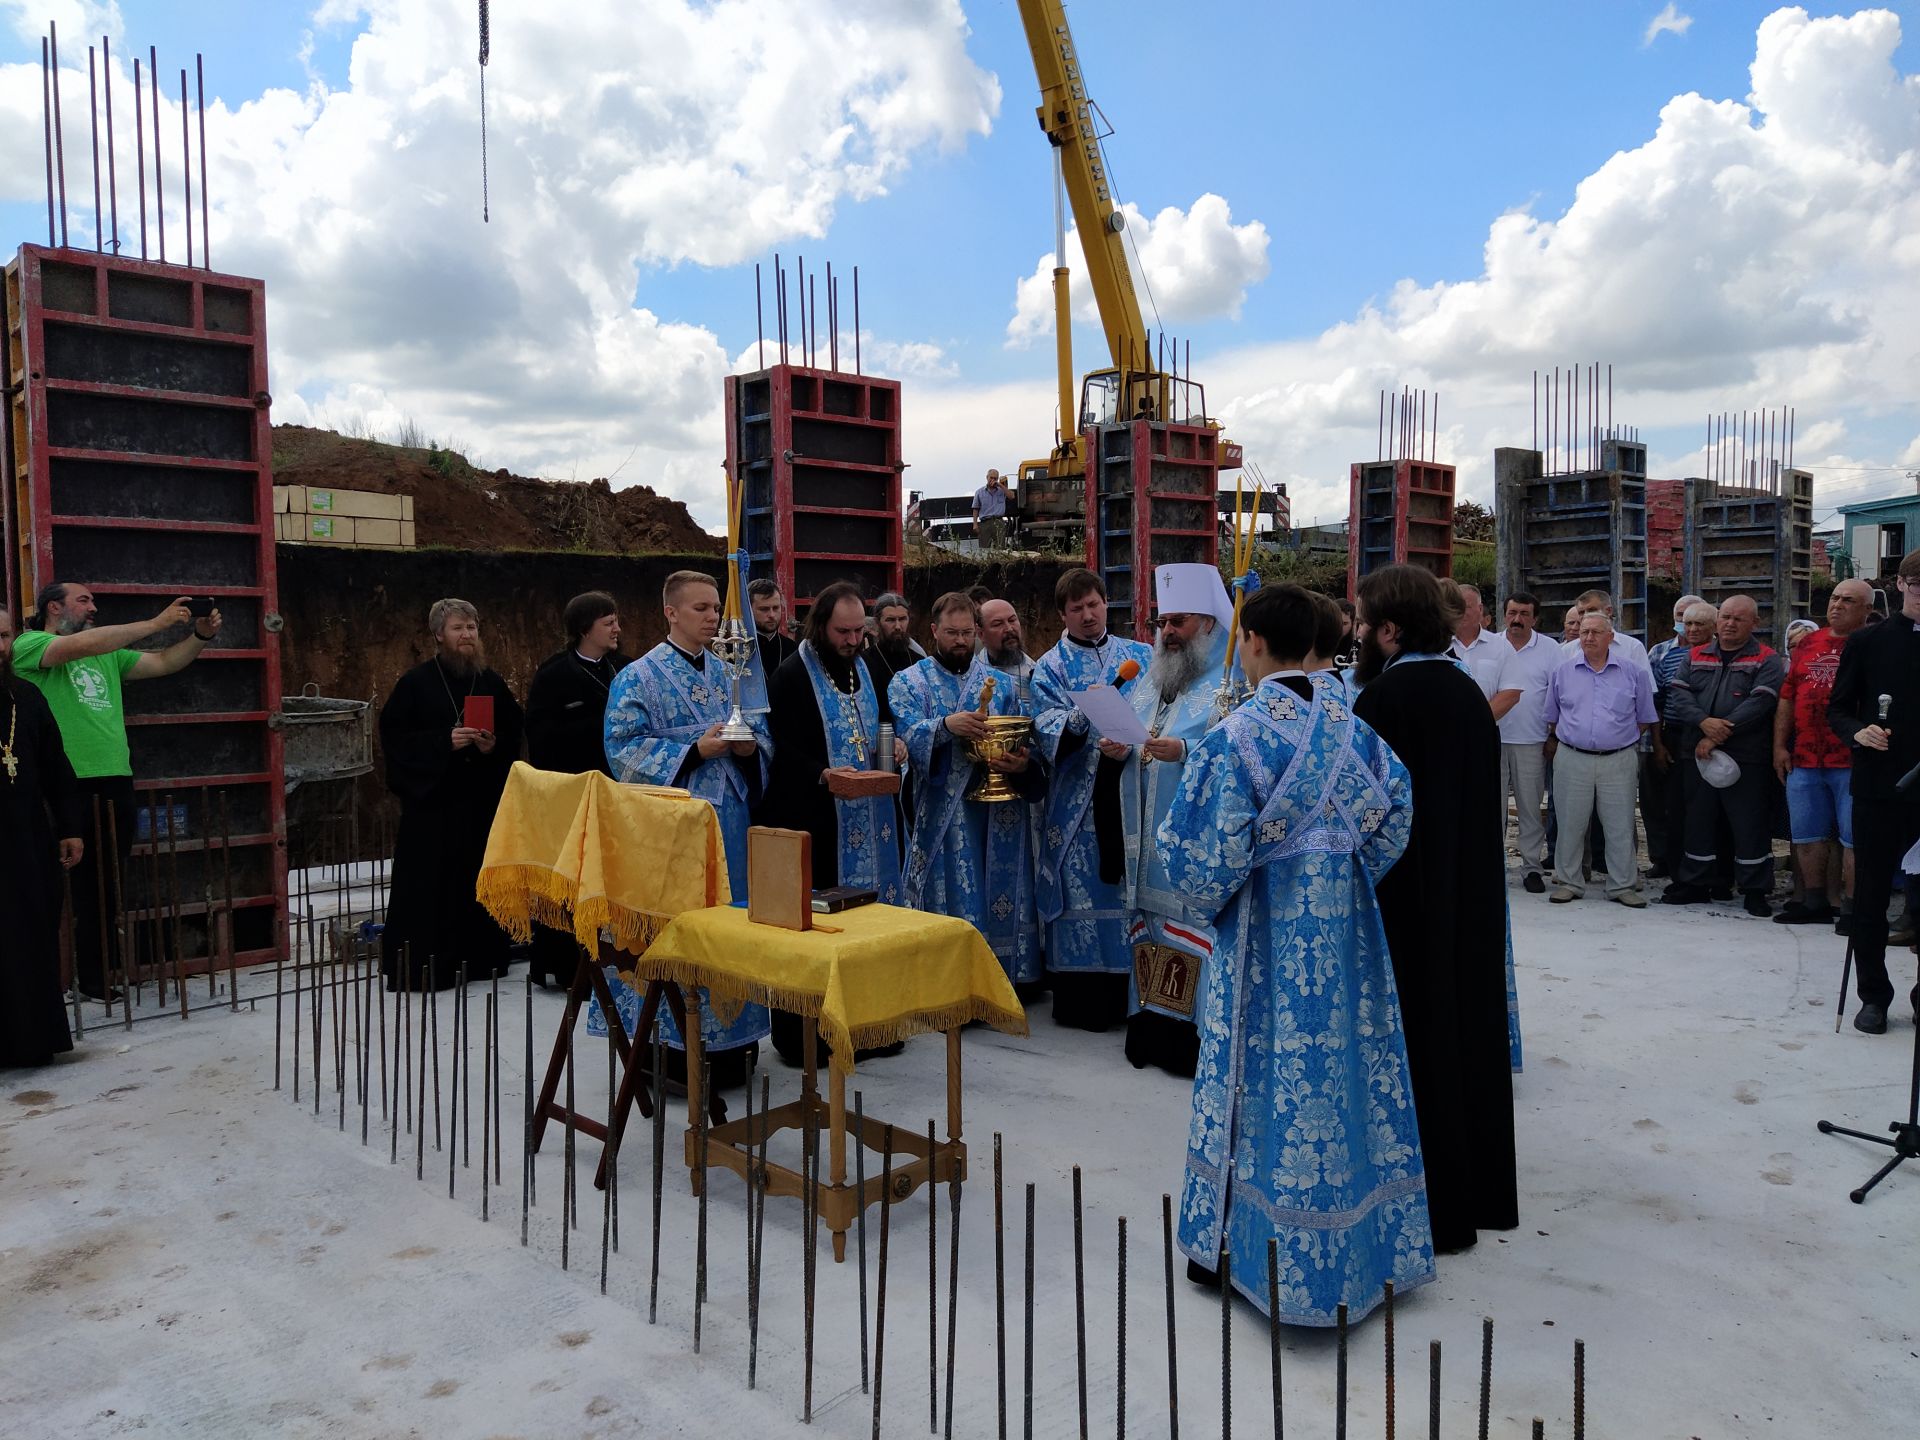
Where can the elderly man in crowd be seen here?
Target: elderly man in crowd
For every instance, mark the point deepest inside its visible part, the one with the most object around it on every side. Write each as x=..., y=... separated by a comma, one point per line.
x=1597, y=707
x=1655, y=765
x=1176, y=699
x=1724, y=698
x=1473, y=645
x=1698, y=623
x=1519, y=706
x=1815, y=764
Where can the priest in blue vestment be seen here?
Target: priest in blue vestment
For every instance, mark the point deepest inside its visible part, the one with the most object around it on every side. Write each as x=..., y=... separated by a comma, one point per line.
x=824, y=716
x=972, y=859
x=663, y=728
x=1177, y=701
x=1304, y=1130
x=1082, y=854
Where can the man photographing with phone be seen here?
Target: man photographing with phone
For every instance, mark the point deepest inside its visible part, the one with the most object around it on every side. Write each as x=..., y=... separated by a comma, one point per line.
x=80, y=666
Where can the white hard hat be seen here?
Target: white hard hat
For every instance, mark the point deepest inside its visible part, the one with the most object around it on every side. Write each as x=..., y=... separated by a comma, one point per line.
x=1719, y=769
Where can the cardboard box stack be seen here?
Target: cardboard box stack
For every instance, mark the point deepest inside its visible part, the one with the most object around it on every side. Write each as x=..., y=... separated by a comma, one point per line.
x=358, y=519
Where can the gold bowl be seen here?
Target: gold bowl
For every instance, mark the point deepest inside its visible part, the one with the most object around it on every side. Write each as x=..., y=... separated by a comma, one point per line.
x=1005, y=734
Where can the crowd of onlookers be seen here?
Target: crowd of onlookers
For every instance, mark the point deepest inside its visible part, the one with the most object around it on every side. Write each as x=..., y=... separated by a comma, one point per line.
x=1724, y=745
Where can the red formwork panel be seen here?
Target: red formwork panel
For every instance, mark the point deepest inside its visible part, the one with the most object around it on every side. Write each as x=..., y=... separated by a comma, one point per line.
x=819, y=453
x=140, y=464
x=1400, y=512
x=1666, y=528
x=1151, y=500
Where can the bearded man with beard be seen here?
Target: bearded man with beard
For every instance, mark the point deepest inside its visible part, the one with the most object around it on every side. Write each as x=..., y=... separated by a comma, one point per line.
x=969, y=858
x=448, y=776
x=1171, y=939
x=1444, y=903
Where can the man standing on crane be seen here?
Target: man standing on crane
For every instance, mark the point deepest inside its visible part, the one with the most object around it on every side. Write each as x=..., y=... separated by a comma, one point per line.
x=990, y=513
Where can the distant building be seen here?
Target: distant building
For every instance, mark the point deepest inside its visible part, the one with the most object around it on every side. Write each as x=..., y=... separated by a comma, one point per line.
x=1878, y=533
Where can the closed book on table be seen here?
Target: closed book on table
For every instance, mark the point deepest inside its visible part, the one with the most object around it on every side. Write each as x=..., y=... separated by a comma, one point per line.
x=843, y=897
x=780, y=877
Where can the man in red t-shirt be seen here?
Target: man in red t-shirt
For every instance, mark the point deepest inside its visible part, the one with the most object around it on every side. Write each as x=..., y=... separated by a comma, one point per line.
x=1814, y=763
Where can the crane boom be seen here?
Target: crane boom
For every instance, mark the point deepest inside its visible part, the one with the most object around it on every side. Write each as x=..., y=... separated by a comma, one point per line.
x=1067, y=117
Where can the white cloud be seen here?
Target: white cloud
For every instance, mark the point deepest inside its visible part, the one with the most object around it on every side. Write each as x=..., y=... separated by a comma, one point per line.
x=1668, y=22
x=1745, y=255
x=1910, y=455
x=625, y=136
x=1198, y=265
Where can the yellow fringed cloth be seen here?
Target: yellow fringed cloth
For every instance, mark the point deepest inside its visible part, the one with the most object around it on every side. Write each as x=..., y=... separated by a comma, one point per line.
x=889, y=973
x=583, y=854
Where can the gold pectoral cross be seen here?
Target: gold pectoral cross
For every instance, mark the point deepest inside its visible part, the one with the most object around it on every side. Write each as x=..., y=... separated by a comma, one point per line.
x=13, y=766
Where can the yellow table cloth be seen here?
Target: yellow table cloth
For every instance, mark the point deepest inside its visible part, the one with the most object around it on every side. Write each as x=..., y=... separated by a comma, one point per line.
x=886, y=974
x=583, y=853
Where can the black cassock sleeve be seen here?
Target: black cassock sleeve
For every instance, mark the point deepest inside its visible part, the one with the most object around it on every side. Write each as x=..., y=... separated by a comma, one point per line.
x=416, y=737
x=58, y=787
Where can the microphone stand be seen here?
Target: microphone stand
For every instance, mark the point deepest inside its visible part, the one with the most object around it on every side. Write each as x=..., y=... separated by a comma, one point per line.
x=1905, y=1141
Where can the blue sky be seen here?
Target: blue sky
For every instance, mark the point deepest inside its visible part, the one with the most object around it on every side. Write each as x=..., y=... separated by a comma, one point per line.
x=1376, y=144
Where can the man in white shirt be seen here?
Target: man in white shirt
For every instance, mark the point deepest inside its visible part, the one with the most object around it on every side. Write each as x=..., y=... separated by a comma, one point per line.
x=1473, y=645
x=1527, y=658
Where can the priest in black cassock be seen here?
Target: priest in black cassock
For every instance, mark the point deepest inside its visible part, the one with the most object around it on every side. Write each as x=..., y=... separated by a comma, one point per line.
x=566, y=713
x=1444, y=903
x=448, y=774
x=40, y=829
x=824, y=712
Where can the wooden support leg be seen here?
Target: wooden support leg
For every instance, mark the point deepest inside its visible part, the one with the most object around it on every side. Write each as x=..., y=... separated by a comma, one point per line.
x=576, y=994
x=953, y=1086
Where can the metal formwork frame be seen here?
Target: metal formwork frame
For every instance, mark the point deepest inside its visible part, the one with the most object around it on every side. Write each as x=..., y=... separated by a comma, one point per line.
x=805, y=441
x=1400, y=512
x=1563, y=534
x=1755, y=541
x=70, y=309
x=1134, y=526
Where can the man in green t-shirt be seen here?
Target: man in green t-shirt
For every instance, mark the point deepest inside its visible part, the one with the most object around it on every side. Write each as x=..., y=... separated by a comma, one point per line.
x=79, y=667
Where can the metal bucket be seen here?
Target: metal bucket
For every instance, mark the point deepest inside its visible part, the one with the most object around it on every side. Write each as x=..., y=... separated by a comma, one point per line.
x=326, y=739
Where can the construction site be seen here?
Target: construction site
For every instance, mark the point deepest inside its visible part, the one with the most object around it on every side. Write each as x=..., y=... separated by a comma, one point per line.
x=237, y=1160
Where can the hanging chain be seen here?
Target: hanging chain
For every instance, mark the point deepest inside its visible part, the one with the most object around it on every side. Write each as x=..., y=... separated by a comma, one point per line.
x=486, y=51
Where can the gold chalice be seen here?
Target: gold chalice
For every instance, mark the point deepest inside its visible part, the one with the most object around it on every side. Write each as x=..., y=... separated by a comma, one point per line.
x=1005, y=734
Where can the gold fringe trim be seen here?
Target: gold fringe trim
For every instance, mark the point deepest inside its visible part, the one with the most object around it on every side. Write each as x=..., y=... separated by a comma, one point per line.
x=517, y=895
x=727, y=994
x=632, y=930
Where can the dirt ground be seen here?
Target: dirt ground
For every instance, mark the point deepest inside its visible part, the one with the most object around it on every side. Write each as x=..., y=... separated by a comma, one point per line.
x=459, y=507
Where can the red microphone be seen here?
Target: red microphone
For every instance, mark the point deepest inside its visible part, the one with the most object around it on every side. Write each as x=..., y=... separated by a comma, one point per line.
x=1128, y=669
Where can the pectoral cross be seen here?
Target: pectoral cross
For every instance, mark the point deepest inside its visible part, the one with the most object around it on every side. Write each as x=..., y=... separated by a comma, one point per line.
x=13, y=766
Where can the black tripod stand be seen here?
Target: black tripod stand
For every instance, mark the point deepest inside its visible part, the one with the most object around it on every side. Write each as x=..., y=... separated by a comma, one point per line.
x=1905, y=1143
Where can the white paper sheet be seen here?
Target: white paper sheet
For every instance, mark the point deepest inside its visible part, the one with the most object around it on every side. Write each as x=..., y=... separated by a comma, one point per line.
x=1110, y=715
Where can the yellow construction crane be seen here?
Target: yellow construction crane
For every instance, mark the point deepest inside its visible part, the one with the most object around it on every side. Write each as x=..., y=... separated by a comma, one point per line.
x=1131, y=386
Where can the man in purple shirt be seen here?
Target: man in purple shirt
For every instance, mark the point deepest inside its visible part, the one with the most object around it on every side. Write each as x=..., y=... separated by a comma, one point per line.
x=1599, y=703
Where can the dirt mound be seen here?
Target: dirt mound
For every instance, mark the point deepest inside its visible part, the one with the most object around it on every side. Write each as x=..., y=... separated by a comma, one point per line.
x=458, y=507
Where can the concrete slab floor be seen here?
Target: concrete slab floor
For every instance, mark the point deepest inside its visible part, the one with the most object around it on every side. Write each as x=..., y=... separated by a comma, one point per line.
x=185, y=1252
